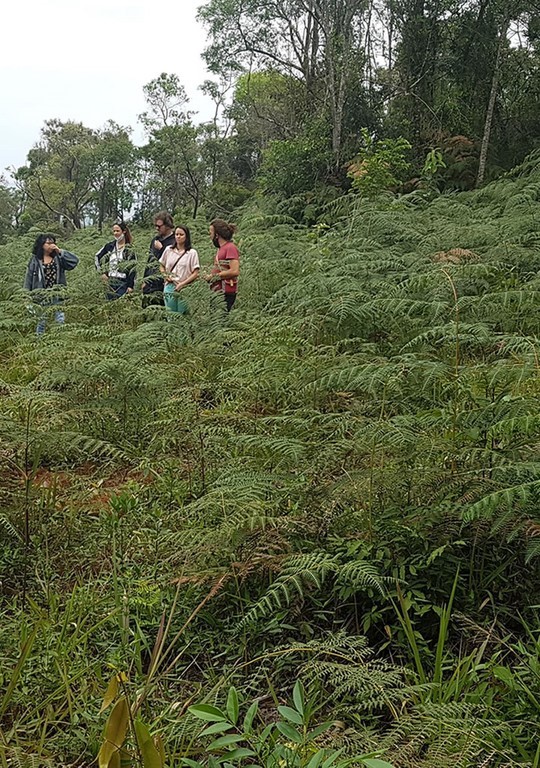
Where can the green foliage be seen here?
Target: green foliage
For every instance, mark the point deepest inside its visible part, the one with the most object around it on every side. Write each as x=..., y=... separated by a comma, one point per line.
x=75, y=173
x=286, y=496
x=379, y=166
x=292, y=166
x=8, y=210
x=291, y=740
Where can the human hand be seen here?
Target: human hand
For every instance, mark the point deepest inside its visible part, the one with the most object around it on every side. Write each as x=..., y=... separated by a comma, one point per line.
x=158, y=245
x=129, y=290
x=105, y=277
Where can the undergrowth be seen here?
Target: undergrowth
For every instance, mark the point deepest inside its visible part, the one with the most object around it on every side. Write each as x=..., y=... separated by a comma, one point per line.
x=338, y=485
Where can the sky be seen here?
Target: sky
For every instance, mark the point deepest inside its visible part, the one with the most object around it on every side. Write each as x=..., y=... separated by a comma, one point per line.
x=87, y=61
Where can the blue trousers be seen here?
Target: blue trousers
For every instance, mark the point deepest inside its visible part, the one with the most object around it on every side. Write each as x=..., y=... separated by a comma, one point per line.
x=173, y=300
x=59, y=317
x=116, y=288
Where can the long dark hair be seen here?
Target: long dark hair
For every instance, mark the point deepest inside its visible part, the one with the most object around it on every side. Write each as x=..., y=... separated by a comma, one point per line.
x=37, y=249
x=187, y=244
x=128, y=239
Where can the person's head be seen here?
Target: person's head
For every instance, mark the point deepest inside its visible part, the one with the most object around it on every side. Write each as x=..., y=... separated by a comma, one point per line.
x=121, y=231
x=221, y=231
x=182, y=235
x=44, y=245
x=164, y=223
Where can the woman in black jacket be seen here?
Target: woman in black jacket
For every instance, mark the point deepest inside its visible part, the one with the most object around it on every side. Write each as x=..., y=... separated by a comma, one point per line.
x=46, y=275
x=116, y=262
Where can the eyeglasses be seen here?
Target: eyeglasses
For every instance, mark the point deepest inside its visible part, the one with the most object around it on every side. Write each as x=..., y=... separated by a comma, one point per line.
x=158, y=226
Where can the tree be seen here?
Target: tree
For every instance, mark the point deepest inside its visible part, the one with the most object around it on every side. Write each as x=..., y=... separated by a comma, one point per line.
x=173, y=152
x=503, y=13
x=116, y=172
x=380, y=165
x=315, y=42
x=8, y=209
x=294, y=166
x=58, y=181
x=76, y=175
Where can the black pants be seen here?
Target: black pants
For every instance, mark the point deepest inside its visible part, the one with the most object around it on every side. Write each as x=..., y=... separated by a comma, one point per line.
x=116, y=288
x=230, y=298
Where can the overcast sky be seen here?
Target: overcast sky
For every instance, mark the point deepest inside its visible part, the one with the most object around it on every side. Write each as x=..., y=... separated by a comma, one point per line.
x=87, y=60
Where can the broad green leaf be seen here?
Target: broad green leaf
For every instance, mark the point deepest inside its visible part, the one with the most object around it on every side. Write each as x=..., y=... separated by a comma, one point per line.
x=232, y=704
x=142, y=732
x=217, y=728
x=115, y=732
x=374, y=762
x=207, y=712
x=250, y=716
x=316, y=759
x=110, y=694
x=318, y=730
x=149, y=754
x=289, y=732
x=291, y=714
x=191, y=763
x=504, y=675
x=298, y=697
x=266, y=732
x=332, y=758
x=226, y=741
x=160, y=748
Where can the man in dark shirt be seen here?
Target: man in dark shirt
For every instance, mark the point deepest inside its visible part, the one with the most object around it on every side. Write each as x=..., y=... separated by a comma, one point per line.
x=152, y=286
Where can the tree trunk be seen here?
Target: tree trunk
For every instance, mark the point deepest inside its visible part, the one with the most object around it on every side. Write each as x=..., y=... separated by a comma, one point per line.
x=491, y=108
x=338, y=106
x=101, y=213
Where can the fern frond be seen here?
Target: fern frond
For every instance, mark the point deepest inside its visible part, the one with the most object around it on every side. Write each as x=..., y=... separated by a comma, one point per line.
x=298, y=573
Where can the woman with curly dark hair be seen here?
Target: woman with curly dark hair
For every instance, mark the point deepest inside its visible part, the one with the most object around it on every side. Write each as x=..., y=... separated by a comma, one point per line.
x=46, y=276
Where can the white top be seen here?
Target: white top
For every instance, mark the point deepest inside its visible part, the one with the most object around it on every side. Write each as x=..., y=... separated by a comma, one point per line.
x=115, y=258
x=179, y=267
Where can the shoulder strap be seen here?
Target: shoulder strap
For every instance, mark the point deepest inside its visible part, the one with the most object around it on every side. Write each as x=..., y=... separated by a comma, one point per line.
x=177, y=260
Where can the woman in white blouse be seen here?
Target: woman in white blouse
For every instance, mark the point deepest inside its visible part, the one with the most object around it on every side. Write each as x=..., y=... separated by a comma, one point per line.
x=180, y=267
x=116, y=262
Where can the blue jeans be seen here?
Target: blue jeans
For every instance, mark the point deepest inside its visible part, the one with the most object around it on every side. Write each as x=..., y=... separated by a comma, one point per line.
x=116, y=288
x=59, y=317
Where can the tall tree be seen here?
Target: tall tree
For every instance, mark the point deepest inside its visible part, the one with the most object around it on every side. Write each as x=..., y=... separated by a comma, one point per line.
x=8, y=209
x=76, y=175
x=503, y=13
x=317, y=42
x=173, y=152
x=116, y=172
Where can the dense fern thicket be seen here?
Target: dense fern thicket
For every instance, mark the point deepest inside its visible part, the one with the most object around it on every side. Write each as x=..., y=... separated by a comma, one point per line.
x=338, y=485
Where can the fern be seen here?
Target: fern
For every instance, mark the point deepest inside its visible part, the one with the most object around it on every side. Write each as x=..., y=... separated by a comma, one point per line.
x=299, y=572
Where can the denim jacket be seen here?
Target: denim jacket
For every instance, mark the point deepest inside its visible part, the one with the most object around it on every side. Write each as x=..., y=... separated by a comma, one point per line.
x=35, y=277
